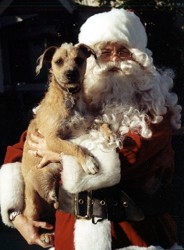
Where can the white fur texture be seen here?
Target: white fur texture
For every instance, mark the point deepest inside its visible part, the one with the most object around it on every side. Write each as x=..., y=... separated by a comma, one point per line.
x=117, y=25
x=11, y=190
x=89, y=236
x=174, y=247
x=76, y=180
x=133, y=93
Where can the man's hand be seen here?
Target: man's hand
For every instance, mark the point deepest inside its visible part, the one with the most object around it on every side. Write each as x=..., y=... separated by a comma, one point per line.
x=29, y=230
x=39, y=148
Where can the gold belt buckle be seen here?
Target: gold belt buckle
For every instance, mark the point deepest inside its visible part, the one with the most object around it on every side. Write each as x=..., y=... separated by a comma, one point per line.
x=87, y=216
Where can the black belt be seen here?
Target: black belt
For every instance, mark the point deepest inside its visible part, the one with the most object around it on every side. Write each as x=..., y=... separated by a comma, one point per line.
x=108, y=203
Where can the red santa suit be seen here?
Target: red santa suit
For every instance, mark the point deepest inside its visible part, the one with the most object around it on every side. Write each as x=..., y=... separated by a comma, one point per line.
x=147, y=158
x=158, y=228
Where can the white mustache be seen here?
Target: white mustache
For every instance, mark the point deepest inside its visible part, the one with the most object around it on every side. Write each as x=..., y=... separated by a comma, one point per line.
x=123, y=67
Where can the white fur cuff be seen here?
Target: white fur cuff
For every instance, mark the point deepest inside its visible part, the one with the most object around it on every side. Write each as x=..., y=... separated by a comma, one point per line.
x=11, y=190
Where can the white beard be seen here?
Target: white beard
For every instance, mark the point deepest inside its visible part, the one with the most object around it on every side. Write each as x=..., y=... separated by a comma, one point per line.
x=132, y=92
x=103, y=87
x=117, y=97
x=123, y=100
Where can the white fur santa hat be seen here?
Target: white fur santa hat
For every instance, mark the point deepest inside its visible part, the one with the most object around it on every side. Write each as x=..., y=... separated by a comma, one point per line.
x=117, y=25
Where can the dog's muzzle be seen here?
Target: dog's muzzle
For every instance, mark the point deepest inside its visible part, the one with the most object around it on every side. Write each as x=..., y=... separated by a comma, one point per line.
x=74, y=90
x=72, y=75
x=71, y=81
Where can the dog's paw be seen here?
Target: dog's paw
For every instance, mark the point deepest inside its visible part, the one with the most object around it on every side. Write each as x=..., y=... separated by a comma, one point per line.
x=107, y=133
x=47, y=239
x=111, y=138
x=53, y=199
x=91, y=165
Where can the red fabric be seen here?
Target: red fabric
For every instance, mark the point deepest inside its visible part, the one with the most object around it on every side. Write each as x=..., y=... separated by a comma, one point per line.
x=131, y=145
x=14, y=153
x=64, y=229
x=153, y=158
x=160, y=230
x=132, y=235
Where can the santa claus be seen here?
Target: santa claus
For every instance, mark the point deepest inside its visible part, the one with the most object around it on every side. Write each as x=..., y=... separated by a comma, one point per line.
x=126, y=91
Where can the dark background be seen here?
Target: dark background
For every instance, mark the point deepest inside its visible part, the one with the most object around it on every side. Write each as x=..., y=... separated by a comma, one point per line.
x=28, y=27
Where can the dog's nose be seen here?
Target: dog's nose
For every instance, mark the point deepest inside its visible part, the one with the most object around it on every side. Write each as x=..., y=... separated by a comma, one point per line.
x=72, y=75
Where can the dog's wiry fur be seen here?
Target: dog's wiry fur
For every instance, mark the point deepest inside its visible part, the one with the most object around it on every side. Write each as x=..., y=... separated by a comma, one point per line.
x=62, y=105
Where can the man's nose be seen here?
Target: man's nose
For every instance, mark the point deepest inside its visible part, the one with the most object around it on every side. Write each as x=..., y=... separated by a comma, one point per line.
x=115, y=57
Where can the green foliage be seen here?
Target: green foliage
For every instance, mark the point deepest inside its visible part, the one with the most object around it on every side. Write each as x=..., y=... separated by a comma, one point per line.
x=172, y=5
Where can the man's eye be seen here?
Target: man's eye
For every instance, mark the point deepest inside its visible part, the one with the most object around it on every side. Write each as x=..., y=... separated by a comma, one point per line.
x=59, y=61
x=79, y=61
x=106, y=52
x=123, y=52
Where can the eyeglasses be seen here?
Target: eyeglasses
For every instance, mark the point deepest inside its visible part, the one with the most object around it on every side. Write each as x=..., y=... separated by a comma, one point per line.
x=116, y=53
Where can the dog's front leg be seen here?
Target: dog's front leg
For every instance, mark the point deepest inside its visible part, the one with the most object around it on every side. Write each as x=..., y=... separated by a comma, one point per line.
x=32, y=204
x=87, y=162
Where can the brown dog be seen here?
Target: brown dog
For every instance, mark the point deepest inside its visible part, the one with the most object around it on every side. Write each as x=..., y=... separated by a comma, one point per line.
x=61, y=111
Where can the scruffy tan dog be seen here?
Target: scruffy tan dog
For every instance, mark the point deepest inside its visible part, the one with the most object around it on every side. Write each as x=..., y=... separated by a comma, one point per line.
x=60, y=114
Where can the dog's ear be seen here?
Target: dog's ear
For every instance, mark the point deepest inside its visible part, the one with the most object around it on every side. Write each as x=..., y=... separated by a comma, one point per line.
x=45, y=57
x=86, y=50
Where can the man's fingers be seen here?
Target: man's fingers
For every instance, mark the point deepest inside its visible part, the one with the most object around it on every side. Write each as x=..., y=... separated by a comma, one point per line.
x=33, y=152
x=44, y=244
x=47, y=238
x=33, y=145
x=42, y=224
x=39, y=134
x=43, y=163
x=35, y=138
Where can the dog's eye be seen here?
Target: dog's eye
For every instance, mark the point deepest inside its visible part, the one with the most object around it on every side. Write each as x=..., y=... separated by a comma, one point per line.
x=79, y=61
x=59, y=61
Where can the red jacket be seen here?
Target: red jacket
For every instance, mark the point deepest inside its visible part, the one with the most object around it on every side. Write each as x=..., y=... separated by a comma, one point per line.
x=143, y=180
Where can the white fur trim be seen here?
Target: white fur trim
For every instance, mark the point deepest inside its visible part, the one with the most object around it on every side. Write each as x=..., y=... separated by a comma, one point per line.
x=88, y=235
x=118, y=25
x=11, y=190
x=92, y=236
x=76, y=180
x=141, y=248
x=174, y=247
